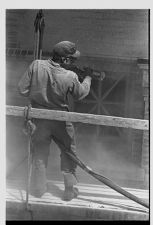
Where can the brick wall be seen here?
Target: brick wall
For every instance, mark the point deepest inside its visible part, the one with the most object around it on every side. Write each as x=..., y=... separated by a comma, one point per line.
x=114, y=33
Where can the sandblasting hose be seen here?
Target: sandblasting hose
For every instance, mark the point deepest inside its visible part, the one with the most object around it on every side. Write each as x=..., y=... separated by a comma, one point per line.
x=107, y=181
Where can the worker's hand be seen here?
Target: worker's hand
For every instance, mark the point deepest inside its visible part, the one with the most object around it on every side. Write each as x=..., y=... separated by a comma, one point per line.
x=102, y=75
x=88, y=72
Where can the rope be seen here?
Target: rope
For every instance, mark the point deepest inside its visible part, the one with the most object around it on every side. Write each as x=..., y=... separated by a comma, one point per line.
x=29, y=129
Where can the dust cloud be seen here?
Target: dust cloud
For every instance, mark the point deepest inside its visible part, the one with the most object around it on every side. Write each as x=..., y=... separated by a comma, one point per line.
x=107, y=155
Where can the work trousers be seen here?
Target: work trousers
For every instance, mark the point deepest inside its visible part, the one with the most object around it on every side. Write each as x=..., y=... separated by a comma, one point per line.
x=64, y=136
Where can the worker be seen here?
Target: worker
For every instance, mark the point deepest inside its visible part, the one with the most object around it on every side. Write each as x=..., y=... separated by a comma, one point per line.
x=47, y=85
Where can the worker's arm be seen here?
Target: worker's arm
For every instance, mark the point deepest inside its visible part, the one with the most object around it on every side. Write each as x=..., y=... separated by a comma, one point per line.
x=25, y=82
x=80, y=90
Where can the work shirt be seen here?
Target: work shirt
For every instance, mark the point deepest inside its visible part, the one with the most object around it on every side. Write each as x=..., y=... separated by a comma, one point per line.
x=48, y=85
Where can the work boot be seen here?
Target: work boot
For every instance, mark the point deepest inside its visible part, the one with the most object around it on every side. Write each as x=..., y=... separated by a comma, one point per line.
x=70, y=191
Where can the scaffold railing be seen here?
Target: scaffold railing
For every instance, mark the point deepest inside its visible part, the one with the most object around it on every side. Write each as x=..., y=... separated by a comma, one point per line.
x=90, y=119
x=140, y=124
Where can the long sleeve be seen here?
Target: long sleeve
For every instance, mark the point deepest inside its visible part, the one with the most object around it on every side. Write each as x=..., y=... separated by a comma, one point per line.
x=81, y=90
x=25, y=82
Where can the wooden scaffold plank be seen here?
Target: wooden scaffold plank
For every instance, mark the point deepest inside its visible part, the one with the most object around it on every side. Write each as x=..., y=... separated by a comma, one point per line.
x=80, y=117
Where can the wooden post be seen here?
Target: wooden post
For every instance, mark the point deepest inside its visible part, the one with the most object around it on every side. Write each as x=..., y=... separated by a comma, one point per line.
x=137, y=112
x=99, y=106
x=145, y=142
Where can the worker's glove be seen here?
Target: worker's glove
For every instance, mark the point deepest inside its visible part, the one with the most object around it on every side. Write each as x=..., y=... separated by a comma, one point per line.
x=88, y=72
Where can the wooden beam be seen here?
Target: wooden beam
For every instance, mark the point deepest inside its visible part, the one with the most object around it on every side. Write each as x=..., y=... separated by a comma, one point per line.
x=79, y=117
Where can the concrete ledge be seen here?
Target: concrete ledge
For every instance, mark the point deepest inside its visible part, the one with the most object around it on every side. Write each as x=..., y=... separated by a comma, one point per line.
x=95, y=202
x=16, y=211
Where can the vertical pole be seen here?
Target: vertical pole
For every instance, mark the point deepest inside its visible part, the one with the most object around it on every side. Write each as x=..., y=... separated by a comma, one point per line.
x=145, y=142
x=99, y=106
x=39, y=25
x=29, y=170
